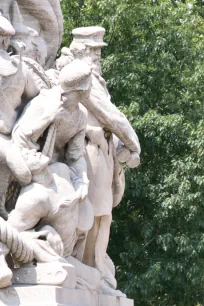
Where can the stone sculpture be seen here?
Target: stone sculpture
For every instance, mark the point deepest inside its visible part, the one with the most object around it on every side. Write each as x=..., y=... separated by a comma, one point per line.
x=17, y=88
x=28, y=18
x=60, y=106
x=104, y=169
x=45, y=17
x=50, y=199
x=63, y=146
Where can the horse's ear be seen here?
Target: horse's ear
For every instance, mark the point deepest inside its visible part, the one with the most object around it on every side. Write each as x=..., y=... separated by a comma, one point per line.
x=69, y=203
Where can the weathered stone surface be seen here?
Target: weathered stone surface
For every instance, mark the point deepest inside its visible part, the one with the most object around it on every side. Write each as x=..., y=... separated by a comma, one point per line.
x=38, y=24
x=62, y=146
x=54, y=273
x=53, y=295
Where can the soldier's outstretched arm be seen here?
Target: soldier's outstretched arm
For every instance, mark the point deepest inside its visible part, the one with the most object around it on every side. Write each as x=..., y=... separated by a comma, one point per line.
x=111, y=118
x=45, y=108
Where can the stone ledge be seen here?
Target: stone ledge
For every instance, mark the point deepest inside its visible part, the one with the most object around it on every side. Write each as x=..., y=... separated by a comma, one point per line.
x=55, y=274
x=56, y=296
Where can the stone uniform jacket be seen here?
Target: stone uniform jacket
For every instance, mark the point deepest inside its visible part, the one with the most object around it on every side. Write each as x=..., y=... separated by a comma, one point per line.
x=44, y=110
x=100, y=105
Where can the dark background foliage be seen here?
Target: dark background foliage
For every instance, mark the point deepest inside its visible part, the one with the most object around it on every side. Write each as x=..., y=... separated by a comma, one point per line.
x=154, y=67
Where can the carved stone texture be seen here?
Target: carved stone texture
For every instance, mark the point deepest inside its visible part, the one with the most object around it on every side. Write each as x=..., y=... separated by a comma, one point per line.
x=62, y=146
x=55, y=273
x=56, y=296
x=45, y=17
x=38, y=25
x=103, y=155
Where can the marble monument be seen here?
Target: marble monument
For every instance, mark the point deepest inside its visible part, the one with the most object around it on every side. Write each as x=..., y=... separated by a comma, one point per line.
x=63, y=146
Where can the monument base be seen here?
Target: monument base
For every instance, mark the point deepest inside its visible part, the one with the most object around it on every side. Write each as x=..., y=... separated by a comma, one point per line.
x=41, y=295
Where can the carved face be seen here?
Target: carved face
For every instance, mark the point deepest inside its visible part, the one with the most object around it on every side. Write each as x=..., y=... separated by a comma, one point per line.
x=93, y=55
x=35, y=161
x=70, y=98
x=76, y=95
x=64, y=60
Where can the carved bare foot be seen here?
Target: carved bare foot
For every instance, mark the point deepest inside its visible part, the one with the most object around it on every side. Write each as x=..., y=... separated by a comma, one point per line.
x=5, y=272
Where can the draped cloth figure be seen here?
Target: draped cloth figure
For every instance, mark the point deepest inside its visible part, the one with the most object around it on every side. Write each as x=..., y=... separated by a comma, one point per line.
x=43, y=16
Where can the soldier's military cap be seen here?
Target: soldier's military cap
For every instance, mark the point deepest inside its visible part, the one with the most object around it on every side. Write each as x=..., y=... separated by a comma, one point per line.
x=90, y=36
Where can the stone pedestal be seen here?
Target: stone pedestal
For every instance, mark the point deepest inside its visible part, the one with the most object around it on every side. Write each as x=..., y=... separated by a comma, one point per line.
x=52, y=284
x=40, y=295
x=55, y=273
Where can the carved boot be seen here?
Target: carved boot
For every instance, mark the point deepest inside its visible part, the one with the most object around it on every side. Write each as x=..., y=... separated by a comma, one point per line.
x=5, y=272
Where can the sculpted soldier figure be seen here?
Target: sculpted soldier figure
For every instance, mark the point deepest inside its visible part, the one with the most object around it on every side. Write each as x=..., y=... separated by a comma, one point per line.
x=51, y=203
x=73, y=108
x=86, y=45
x=51, y=199
x=33, y=198
x=104, y=170
x=17, y=88
x=60, y=105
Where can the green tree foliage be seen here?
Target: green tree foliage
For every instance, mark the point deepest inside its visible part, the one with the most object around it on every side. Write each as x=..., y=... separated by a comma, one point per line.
x=154, y=67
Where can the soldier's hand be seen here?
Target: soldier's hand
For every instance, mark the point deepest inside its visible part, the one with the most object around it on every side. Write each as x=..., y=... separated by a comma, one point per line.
x=124, y=155
x=83, y=192
x=134, y=160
